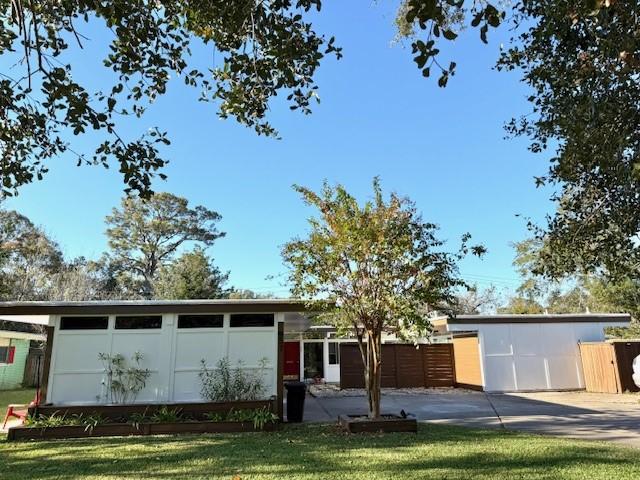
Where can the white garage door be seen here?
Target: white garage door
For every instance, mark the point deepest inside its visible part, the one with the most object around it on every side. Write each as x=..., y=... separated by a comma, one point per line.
x=534, y=356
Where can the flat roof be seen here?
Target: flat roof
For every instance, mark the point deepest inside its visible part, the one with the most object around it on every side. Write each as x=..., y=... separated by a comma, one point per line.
x=106, y=307
x=541, y=318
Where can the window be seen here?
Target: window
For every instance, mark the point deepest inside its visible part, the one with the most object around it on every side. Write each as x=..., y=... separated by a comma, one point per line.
x=84, y=323
x=138, y=322
x=252, y=320
x=6, y=351
x=200, y=321
x=334, y=353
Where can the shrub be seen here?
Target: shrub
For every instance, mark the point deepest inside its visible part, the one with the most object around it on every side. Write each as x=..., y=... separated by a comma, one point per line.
x=124, y=382
x=224, y=384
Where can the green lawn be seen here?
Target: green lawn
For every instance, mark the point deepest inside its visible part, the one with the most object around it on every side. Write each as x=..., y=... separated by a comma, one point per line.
x=322, y=452
x=24, y=396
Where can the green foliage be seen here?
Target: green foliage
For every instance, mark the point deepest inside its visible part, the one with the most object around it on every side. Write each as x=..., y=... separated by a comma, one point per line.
x=166, y=415
x=240, y=293
x=258, y=416
x=262, y=49
x=224, y=384
x=581, y=61
x=144, y=235
x=53, y=420
x=632, y=332
x=58, y=420
x=28, y=258
x=577, y=293
x=438, y=20
x=521, y=306
x=372, y=268
x=191, y=276
x=123, y=382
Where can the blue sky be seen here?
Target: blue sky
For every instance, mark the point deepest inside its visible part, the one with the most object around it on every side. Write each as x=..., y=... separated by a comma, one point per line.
x=444, y=148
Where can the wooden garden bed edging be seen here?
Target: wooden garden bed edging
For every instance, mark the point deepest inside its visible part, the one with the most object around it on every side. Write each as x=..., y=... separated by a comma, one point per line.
x=358, y=424
x=127, y=429
x=114, y=411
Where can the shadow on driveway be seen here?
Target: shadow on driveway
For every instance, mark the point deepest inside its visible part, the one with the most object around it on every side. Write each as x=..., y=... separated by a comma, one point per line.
x=597, y=421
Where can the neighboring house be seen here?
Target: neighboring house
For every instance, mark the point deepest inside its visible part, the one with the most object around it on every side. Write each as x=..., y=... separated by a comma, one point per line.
x=172, y=336
x=15, y=338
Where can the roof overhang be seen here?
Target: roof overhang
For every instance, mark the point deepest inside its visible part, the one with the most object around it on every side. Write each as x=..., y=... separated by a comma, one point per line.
x=542, y=318
x=152, y=307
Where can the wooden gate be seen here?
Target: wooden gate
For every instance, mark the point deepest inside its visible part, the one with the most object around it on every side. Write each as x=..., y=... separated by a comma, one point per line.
x=403, y=366
x=466, y=353
x=607, y=366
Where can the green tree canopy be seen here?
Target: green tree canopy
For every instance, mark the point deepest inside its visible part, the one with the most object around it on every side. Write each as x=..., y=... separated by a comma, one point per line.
x=144, y=235
x=380, y=265
x=191, y=276
x=28, y=257
x=262, y=49
x=581, y=61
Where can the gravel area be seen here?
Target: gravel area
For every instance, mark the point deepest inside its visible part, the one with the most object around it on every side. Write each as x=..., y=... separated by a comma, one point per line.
x=332, y=390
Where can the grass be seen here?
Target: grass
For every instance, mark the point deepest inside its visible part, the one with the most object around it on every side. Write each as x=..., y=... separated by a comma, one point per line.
x=323, y=452
x=21, y=396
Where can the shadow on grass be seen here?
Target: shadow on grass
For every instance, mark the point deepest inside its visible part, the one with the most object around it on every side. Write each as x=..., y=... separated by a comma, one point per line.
x=321, y=451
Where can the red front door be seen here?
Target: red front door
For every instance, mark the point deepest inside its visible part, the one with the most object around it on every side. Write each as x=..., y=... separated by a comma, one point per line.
x=291, y=360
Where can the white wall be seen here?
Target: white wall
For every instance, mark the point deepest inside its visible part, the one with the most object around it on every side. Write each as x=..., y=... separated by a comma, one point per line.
x=173, y=355
x=533, y=356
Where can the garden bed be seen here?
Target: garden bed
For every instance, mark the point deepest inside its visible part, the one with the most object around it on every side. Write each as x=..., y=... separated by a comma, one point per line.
x=195, y=409
x=78, y=421
x=386, y=424
x=127, y=429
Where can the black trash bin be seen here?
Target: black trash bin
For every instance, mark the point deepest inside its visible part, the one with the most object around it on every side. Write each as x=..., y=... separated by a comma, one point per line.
x=296, y=392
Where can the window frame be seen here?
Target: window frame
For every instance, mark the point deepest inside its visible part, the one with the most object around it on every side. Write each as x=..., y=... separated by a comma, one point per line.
x=83, y=318
x=232, y=316
x=4, y=360
x=159, y=327
x=185, y=316
x=336, y=353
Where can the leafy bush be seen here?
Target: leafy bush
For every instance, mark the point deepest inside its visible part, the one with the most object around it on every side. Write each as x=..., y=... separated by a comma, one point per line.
x=258, y=416
x=57, y=420
x=224, y=384
x=625, y=333
x=165, y=415
x=124, y=383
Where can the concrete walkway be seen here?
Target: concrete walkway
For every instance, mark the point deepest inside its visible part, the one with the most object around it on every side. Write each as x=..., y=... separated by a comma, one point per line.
x=571, y=414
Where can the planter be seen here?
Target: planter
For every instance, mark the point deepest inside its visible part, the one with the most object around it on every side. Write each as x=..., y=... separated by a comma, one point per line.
x=125, y=429
x=115, y=412
x=385, y=424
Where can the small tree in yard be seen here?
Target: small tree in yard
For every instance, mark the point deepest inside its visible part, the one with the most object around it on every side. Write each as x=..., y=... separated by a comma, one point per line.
x=380, y=266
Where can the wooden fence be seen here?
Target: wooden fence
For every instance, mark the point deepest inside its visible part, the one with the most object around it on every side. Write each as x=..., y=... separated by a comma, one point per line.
x=607, y=366
x=403, y=366
x=33, y=368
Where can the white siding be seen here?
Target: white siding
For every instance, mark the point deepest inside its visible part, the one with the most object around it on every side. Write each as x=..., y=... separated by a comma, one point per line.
x=533, y=356
x=173, y=355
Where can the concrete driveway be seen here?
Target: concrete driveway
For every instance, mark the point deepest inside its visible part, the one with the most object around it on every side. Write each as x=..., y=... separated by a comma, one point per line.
x=572, y=414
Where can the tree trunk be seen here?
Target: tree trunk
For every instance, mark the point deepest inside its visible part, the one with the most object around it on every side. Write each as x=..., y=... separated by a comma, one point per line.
x=373, y=373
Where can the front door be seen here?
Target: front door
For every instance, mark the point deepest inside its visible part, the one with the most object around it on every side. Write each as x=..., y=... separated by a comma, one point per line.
x=291, y=360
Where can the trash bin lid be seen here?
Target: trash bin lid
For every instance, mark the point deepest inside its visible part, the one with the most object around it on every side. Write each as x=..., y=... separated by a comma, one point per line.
x=295, y=386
